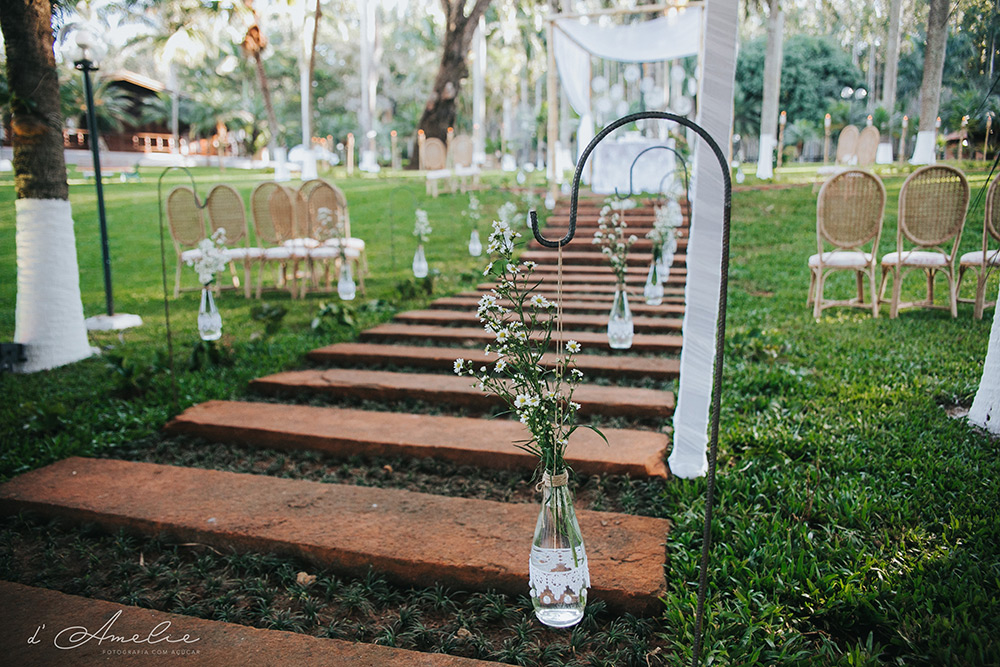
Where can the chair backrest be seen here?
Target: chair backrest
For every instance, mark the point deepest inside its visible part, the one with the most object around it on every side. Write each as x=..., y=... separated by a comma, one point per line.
x=850, y=209
x=991, y=225
x=932, y=206
x=867, y=146
x=260, y=213
x=847, y=144
x=462, y=150
x=317, y=194
x=435, y=156
x=185, y=218
x=226, y=211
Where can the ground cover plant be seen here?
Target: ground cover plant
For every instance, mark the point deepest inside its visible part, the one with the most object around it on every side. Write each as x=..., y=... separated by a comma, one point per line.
x=857, y=520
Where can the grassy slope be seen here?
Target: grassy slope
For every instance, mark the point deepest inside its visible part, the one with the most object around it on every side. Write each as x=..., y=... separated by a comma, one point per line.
x=856, y=519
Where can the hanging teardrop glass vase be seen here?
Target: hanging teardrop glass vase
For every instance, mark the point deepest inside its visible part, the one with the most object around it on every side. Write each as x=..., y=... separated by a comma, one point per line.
x=558, y=573
x=475, y=245
x=346, y=288
x=620, y=328
x=209, y=319
x=653, y=291
x=419, y=263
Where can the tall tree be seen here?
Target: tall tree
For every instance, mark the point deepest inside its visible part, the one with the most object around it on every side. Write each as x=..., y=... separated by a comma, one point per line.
x=891, y=57
x=439, y=113
x=772, y=88
x=49, y=313
x=930, y=86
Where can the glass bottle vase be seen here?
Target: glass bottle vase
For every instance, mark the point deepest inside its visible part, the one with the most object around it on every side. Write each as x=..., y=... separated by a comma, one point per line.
x=419, y=263
x=653, y=291
x=558, y=573
x=346, y=288
x=475, y=245
x=620, y=327
x=209, y=319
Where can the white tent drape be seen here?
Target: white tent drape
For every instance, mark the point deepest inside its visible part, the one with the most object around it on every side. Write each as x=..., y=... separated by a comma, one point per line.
x=574, y=43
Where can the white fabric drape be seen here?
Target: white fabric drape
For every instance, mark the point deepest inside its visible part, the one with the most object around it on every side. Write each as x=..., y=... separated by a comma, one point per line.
x=660, y=39
x=704, y=252
x=573, y=63
x=574, y=43
x=985, y=410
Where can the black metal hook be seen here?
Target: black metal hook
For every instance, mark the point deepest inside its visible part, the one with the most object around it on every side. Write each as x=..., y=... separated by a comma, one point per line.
x=625, y=120
x=677, y=155
x=720, y=329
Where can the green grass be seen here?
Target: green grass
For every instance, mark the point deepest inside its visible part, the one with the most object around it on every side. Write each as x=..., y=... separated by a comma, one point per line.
x=857, y=522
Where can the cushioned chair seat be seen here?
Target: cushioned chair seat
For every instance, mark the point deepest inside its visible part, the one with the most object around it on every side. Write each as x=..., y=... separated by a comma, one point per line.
x=916, y=258
x=244, y=253
x=352, y=243
x=276, y=253
x=843, y=259
x=975, y=258
x=327, y=252
x=190, y=255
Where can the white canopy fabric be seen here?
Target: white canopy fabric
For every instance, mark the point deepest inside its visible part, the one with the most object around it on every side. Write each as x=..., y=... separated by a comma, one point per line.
x=574, y=43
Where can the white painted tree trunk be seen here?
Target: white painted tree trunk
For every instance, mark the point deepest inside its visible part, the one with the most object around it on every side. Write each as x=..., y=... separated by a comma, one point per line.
x=48, y=317
x=772, y=89
x=701, y=294
x=985, y=411
x=305, y=91
x=930, y=85
x=479, y=93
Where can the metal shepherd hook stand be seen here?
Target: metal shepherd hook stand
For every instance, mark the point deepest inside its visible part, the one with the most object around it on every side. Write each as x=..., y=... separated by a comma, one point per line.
x=720, y=330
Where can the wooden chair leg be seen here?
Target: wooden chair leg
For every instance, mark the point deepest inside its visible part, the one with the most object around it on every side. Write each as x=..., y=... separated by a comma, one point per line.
x=980, y=295
x=177, y=279
x=246, y=277
x=812, y=287
x=859, y=278
x=874, y=295
x=818, y=299
x=896, y=290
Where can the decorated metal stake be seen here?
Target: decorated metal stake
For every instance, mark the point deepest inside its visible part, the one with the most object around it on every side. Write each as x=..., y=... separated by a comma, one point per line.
x=720, y=332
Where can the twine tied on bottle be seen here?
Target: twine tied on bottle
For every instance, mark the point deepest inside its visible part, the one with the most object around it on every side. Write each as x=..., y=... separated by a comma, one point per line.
x=553, y=481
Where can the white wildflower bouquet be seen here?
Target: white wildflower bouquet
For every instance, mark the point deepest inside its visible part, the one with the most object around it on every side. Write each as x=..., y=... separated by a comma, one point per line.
x=331, y=227
x=421, y=227
x=213, y=257
x=539, y=393
x=473, y=212
x=613, y=237
x=507, y=213
x=667, y=218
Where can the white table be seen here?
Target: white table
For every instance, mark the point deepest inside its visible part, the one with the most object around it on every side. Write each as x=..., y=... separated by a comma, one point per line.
x=611, y=161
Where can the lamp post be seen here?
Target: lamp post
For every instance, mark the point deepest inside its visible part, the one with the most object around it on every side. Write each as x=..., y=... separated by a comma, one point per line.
x=89, y=51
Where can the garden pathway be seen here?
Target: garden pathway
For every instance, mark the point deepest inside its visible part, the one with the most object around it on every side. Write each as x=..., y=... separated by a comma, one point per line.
x=472, y=544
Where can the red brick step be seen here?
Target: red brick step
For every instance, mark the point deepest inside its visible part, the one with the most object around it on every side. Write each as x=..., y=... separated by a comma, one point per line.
x=601, y=306
x=412, y=538
x=388, y=386
x=418, y=356
x=569, y=320
x=462, y=440
x=27, y=611
x=590, y=257
x=392, y=331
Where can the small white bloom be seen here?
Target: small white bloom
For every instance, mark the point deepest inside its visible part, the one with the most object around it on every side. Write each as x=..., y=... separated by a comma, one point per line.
x=577, y=373
x=574, y=405
x=573, y=347
x=524, y=419
x=520, y=401
x=528, y=264
x=500, y=365
x=533, y=401
x=458, y=365
x=489, y=267
x=502, y=336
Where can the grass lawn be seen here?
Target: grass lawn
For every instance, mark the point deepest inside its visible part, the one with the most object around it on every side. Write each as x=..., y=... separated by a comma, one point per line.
x=857, y=522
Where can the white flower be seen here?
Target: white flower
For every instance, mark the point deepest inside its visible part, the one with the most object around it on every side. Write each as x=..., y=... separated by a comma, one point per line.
x=421, y=227
x=533, y=401
x=633, y=238
x=500, y=365
x=520, y=335
x=489, y=267
x=573, y=347
x=513, y=268
x=574, y=405
x=213, y=257
x=538, y=301
x=458, y=365
x=551, y=395
x=502, y=336
x=524, y=419
x=520, y=401
x=528, y=264
x=577, y=373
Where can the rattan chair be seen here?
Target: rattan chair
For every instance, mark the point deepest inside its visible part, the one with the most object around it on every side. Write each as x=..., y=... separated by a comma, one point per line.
x=227, y=211
x=463, y=155
x=932, y=206
x=983, y=261
x=849, y=214
x=323, y=242
x=272, y=206
x=187, y=228
x=847, y=145
x=867, y=146
x=434, y=161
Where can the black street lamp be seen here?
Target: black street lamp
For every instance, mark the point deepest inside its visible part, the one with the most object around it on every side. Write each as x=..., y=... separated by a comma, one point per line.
x=85, y=62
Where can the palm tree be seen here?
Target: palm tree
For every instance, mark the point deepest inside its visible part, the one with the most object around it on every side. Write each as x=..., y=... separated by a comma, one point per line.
x=772, y=87
x=930, y=86
x=49, y=314
x=111, y=104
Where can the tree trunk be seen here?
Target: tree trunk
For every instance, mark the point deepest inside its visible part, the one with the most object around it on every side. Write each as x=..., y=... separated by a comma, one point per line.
x=772, y=88
x=891, y=57
x=985, y=410
x=439, y=113
x=253, y=44
x=930, y=86
x=49, y=314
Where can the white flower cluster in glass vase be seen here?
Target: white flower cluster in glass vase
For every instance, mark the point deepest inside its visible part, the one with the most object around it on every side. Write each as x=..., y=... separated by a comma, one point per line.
x=666, y=220
x=539, y=393
x=613, y=237
x=213, y=257
x=421, y=227
x=473, y=212
x=508, y=213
